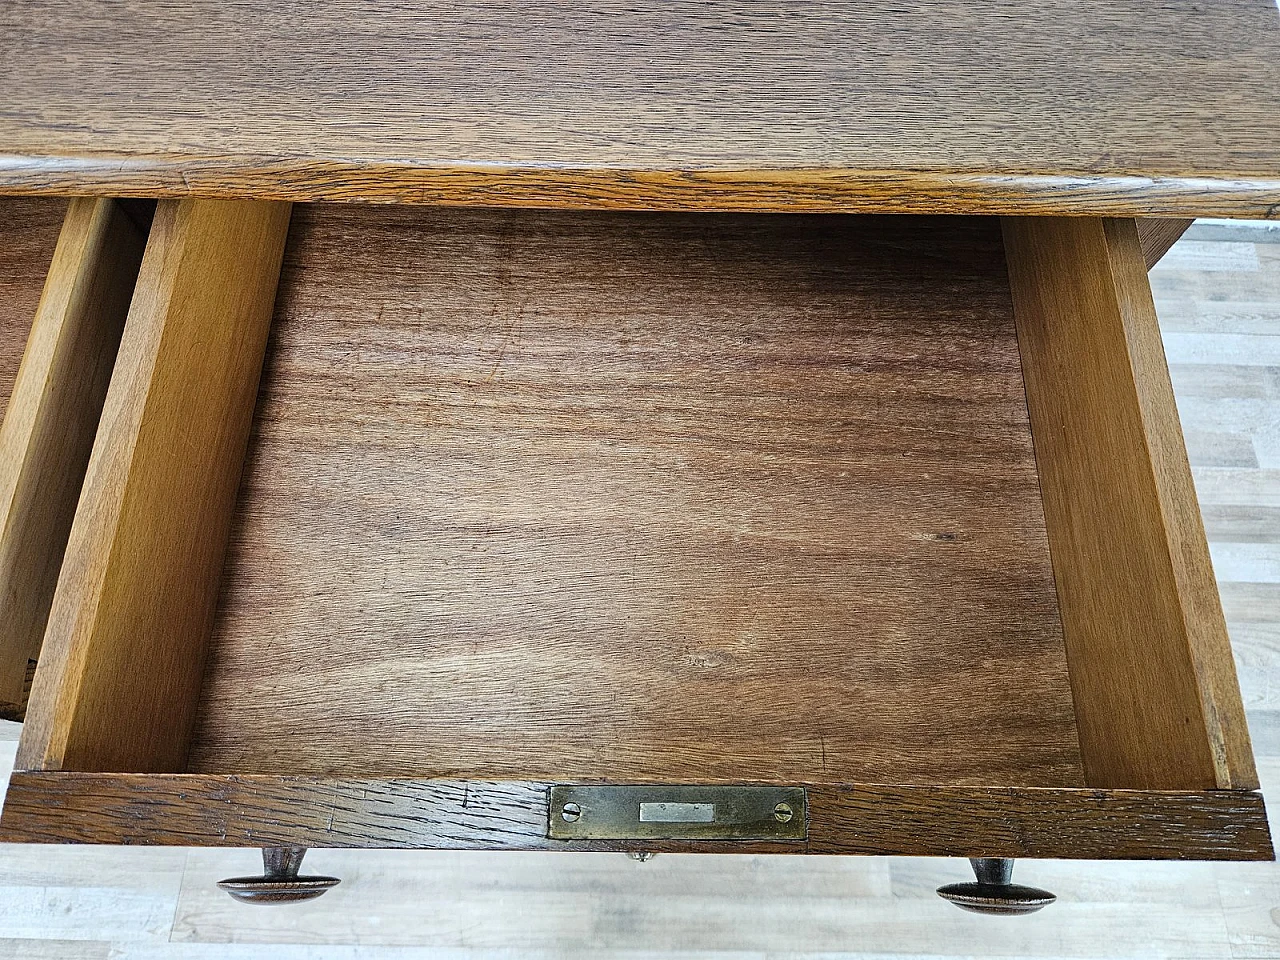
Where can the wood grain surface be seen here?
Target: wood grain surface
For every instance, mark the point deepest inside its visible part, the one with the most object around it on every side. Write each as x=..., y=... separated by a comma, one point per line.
x=117, y=680
x=28, y=235
x=1114, y=106
x=52, y=419
x=1218, y=307
x=640, y=496
x=868, y=819
x=1151, y=667
x=1157, y=236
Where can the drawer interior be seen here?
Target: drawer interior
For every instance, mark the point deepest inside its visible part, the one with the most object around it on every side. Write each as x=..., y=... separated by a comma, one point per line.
x=640, y=497
x=893, y=509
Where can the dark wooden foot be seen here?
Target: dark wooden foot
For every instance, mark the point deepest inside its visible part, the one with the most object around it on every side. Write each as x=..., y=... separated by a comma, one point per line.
x=994, y=892
x=280, y=882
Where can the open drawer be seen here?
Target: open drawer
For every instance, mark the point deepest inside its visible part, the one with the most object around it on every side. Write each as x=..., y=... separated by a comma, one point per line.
x=890, y=512
x=67, y=272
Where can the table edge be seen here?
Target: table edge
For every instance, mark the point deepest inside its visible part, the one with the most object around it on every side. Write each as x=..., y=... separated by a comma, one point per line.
x=689, y=188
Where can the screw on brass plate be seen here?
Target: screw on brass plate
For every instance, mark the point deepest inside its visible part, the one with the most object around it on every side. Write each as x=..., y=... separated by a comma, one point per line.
x=570, y=812
x=783, y=813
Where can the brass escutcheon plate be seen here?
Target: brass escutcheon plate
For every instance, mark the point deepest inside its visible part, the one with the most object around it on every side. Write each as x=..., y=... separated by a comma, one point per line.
x=677, y=812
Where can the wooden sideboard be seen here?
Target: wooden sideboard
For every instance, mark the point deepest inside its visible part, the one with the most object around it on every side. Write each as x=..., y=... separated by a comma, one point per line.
x=516, y=429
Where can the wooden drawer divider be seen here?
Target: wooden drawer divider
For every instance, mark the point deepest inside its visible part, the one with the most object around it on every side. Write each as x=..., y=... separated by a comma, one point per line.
x=52, y=418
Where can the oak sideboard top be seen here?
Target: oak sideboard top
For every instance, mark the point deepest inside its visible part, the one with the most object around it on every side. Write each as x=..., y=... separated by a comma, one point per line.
x=1093, y=106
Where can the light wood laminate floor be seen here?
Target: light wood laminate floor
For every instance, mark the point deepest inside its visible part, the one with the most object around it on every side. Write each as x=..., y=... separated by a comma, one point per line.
x=1218, y=293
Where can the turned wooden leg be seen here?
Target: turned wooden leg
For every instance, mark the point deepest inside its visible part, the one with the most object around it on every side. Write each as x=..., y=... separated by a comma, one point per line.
x=280, y=882
x=994, y=892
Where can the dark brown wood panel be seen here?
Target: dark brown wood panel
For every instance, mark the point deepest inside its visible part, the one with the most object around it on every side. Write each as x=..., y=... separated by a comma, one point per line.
x=1119, y=106
x=28, y=234
x=238, y=811
x=1088, y=824
x=640, y=497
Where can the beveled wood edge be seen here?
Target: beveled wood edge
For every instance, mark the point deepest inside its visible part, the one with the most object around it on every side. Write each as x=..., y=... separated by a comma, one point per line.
x=864, y=819
x=1158, y=235
x=691, y=188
